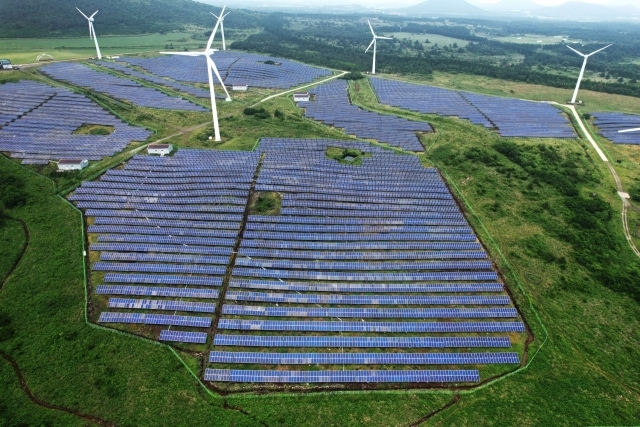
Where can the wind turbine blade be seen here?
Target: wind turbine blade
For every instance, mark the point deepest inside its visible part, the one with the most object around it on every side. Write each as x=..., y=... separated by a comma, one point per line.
x=91, y=34
x=94, y=14
x=82, y=13
x=371, y=28
x=384, y=38
x=225, y=15
x=215, y=29
x=372, y=42
x=215, y=70
x=579, y=53
x=599, y=50
x=217, y=17
x=629, y=130
x=184, y=53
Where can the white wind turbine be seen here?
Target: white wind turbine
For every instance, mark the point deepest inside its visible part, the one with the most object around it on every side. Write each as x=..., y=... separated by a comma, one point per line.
x=584, y=64
x=629, y=130
x=92, y=31
x=221, y=18
x=374, y=44
x=211, y=66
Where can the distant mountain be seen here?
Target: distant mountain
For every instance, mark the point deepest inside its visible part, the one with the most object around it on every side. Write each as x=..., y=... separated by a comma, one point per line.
x=444, y=7
x=580, y=10
x=512, y=6
x=56, y=18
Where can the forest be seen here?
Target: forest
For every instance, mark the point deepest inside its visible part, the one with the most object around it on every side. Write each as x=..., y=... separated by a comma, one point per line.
x=340, y=43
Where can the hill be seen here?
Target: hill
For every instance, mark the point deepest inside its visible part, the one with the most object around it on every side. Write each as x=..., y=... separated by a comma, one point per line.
x=445, y=7
x=40, y=18
x=581, y=10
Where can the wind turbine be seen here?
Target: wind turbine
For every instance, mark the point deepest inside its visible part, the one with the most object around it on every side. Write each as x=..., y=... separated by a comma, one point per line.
x=221, y=18
x=210, y=66
x=629, y=130
x=92, y=31
x=374, y=44
x=584, y=64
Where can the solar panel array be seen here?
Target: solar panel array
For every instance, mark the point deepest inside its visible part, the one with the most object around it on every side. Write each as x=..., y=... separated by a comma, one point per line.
x=191, y=90
x=510, y=117
x=38, y=122
x=366, y=256
x=234, y=67
x=609, y=125
x=332, y=106
x=143, y=217
x=340, y=269
x=119, y=88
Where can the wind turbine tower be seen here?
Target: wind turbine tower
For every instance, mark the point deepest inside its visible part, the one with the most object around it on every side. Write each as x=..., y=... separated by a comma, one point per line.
x=374, y=44
x=584, y=64
x=221, y=19
x=92, y=31
x=211, y=66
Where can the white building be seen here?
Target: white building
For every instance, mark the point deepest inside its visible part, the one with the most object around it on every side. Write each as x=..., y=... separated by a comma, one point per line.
x=72, y=164
x=161, y=149
x=301, y=97
x=240, y=87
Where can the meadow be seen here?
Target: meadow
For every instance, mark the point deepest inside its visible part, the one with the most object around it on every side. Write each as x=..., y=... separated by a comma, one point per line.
x=560, y=248
x=25, y=51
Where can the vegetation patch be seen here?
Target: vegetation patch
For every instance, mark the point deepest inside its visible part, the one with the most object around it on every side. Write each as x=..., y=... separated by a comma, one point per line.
x=352, y=75
x=258, y=113
x=266, y=203
x=347, y=156
x=91, y=129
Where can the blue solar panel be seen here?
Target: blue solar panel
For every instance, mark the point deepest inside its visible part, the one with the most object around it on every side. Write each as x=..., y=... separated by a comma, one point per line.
x=183, y=336
x=362, y=358
x=142, y=304
x=388, y=313
x=155, y=319
x=279, y=376
x=380, y=327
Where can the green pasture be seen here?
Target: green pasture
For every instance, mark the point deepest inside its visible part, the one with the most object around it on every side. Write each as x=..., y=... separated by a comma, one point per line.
x=531, y=39
x=433, y=39
x=22, y=51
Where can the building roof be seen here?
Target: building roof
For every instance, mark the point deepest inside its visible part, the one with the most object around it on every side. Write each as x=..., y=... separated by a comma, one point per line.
x=159, y=146
x=71, y=161
x=301, y=94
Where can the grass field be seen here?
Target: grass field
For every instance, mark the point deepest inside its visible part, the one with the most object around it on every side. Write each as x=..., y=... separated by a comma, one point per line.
x=433, y=39
x=529, y=39
x=523, y=197
x=22, y=51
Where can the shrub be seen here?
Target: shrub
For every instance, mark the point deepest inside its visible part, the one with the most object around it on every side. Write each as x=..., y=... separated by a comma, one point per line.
x=353, y=75
x=258, y=113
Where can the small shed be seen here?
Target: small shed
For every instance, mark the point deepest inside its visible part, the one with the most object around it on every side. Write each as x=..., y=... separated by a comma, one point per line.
x=301, y=97
x=161, y=149
x=72, y=164
x=240, y=87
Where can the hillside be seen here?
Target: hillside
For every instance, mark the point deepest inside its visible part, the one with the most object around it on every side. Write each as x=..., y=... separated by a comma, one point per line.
x=39, y=18
x=445, y=7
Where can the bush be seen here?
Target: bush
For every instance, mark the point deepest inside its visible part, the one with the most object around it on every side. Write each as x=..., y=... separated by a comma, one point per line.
x=635, y=194
x=586, y=116
x=353, y=75
x=279, y=114
x=258, y=113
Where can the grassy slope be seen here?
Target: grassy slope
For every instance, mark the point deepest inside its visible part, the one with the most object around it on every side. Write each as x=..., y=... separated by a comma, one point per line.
x=12, y=240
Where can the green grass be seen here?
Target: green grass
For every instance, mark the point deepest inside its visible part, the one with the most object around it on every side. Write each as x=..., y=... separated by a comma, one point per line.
x=433, y=39
x=528, y=39
x=22, y=51
x=266, y=203
x=12, y=240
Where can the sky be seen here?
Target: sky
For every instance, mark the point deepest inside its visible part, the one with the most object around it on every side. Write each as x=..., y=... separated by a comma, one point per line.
x=558, y=2
x=391, y=3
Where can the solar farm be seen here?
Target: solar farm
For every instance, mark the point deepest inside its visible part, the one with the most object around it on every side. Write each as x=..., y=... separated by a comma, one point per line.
x=119, y=88
x=235, y=68
x=509, y=117
x=332, y=107
x=38, y=124
x=368, y=274
x=609, y=125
